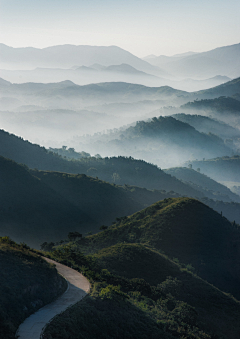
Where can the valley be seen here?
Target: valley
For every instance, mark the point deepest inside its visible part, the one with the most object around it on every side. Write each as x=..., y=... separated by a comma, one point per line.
x=125, y=170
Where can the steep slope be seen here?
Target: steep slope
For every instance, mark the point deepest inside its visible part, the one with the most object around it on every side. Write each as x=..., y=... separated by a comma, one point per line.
x=27, y=282
x=211, y=188
x=119, y=170
x=134, y=261
x=185, y=229
x=32, y=212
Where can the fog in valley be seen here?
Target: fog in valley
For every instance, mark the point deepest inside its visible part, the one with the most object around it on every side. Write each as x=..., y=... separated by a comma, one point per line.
x=106, y=101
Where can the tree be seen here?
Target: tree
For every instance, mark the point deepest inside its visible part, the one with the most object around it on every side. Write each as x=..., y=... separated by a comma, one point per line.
x=74, y=235
x=116, y=177
x=48, y=247
x=103, y=227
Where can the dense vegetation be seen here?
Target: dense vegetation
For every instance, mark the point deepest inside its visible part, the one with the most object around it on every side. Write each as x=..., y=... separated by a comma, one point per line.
x=138, y=292
x=31, y=211
x=27, y=282
x=221, y=105
x=185, y=229
x=39, y=206
x=118, y=170
x=208, y=125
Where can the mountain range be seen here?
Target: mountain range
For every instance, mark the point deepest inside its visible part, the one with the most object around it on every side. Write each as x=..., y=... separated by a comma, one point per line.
x=219, y=61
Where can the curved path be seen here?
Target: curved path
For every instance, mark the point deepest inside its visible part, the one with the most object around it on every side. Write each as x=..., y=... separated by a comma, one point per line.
x=78, y=287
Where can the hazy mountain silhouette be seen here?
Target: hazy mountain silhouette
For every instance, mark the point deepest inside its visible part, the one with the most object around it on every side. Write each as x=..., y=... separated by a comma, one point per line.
x=65, y=56
x=206, y=124
x=222, y=60
x=162, y=140
x=209, y=187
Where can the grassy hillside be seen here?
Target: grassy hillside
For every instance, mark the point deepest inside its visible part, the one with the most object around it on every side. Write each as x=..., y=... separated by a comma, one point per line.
x=140, y=293
x=210, y=188
x=27, y=283
x=185, y=229
x=137, y=261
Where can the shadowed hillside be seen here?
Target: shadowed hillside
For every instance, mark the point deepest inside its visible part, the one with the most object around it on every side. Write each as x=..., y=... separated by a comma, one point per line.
x=118, y=170
x=220, y=169
x=185, y=229
x=209, y=187
x=27, y=283
x=136, y=261
x=31, y=211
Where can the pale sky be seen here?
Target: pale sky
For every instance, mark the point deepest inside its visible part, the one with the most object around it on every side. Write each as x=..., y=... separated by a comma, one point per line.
x=142, y=27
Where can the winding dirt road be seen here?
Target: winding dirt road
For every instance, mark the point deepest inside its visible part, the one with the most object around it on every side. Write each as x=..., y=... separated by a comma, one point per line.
x=78, y=287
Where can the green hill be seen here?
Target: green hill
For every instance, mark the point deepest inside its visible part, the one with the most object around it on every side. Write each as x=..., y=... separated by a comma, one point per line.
x=185, y=229
x=209, y=187
x=27, y=283
x=38, y=206
x=140, y=293
x=136, y=261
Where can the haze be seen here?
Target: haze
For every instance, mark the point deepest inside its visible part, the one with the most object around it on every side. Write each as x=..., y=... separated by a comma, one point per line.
x=141, y=27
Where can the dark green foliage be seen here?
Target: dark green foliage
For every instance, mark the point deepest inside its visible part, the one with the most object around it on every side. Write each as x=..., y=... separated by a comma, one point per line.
x=31, y=211
x=47, y=246
x=74, y=235
x=124, y=306
x=27, y=282
x=185, y=229
x=130, y=171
